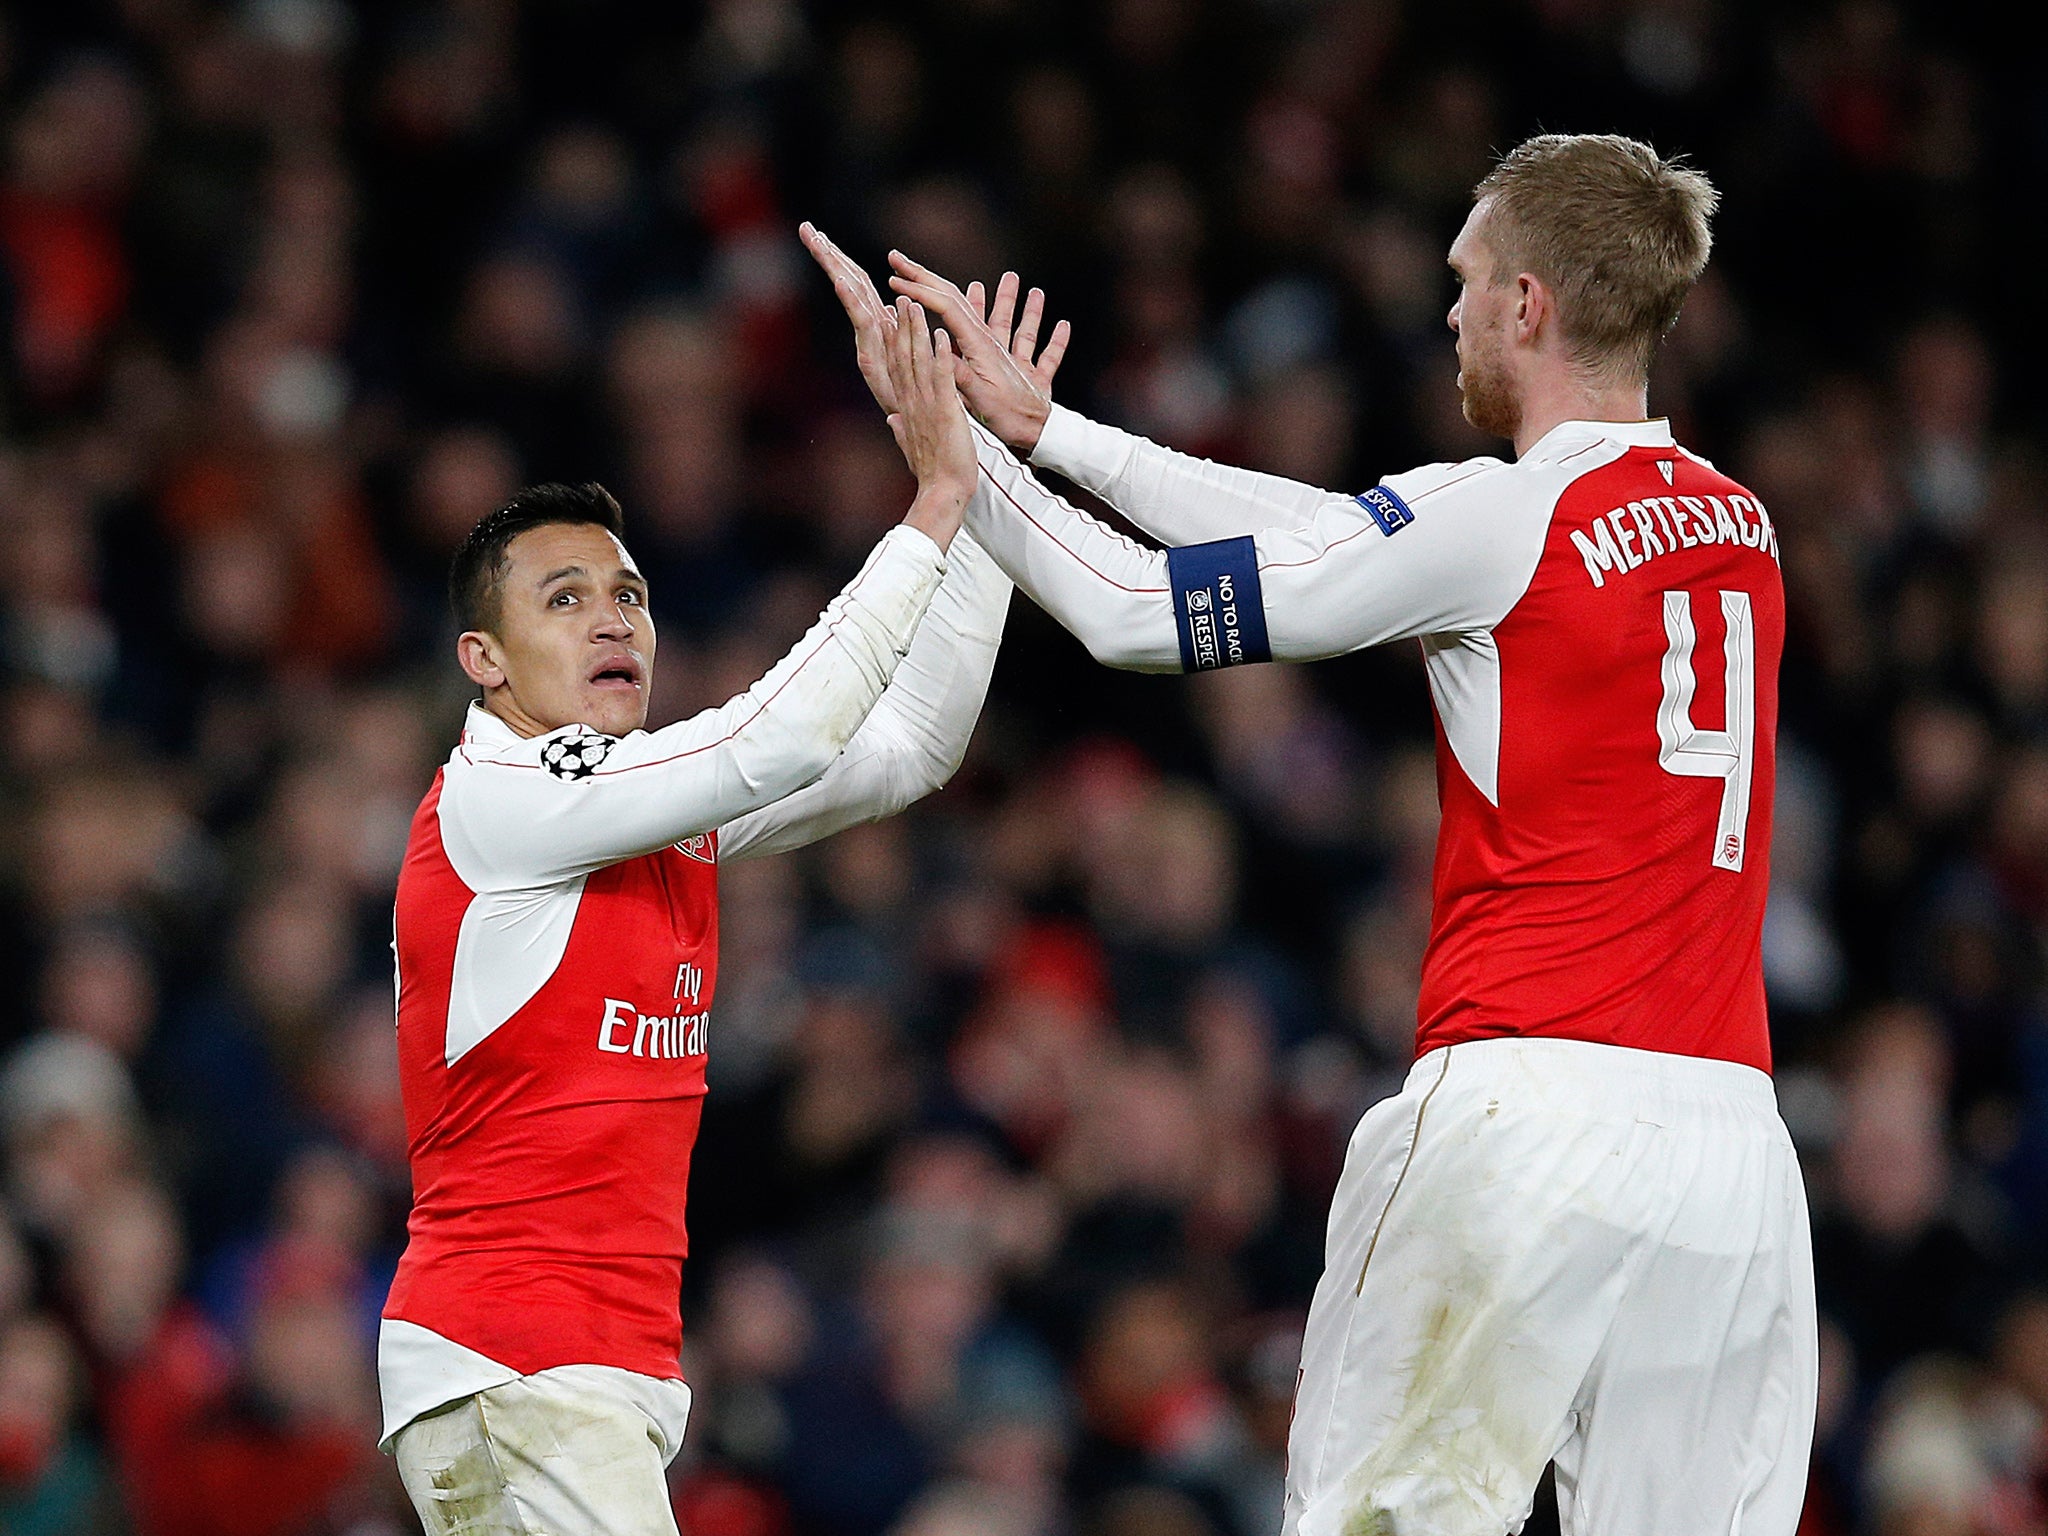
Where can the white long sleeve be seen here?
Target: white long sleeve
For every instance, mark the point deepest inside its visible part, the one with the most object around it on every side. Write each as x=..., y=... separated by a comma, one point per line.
x=1446, y=549
x=1174, y=497
x=914, y=738
x=1108, y=590
x=518, y=813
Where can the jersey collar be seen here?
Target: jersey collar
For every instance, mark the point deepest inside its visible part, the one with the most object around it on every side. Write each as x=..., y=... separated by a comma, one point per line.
x=484, y=729
x=1570, y=436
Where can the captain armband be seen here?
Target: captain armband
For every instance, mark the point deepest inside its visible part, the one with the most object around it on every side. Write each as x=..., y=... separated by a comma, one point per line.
x=1219, y=611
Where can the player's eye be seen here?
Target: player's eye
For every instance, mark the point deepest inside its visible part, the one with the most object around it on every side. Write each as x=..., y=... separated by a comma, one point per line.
x=628, y=595
x=562, y=599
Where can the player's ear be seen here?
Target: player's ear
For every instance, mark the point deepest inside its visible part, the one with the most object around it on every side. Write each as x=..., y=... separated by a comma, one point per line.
x=477, y=653
x=1533, y=305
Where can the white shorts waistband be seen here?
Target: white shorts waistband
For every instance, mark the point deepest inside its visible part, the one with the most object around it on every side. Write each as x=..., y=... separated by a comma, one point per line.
x=1564, y=1064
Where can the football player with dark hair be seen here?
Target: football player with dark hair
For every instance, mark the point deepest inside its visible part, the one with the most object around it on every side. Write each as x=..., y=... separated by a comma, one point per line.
x=557, y=933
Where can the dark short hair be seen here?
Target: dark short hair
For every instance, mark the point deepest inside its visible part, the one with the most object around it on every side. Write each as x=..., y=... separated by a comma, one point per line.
x=478, y=570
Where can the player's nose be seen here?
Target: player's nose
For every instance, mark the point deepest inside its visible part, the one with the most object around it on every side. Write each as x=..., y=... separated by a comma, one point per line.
x=614, y=622
x=1451, y=319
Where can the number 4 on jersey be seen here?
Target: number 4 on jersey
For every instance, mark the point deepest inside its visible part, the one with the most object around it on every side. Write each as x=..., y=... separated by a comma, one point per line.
x=1682, y=747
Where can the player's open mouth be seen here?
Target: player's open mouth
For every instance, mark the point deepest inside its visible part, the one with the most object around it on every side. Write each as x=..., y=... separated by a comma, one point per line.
x=617, y=672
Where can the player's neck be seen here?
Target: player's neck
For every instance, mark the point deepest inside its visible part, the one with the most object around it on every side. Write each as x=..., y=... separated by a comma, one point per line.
x=1571, y=398
x=499, y=702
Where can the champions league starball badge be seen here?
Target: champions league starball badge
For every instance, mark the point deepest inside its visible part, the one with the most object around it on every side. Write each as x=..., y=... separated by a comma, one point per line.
x=576, y=755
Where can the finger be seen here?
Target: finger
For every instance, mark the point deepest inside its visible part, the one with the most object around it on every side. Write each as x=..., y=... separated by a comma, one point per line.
x=911, y=271
x=826, y=254
x=945, y=301
x=822, y=252
x=845, y=263
x=945, y=388
x=1005, y=307
x=1025, y=342
x=936, y=383
x=977, y=298
x=858, y=294
x=896, y=430
x=850, y=284
x=855, y=297
x=897, y=352
x=906, y=349
x=845, y=267
x=921, y=348
x=948, y=379
x=893, y=365
x=1055, y=349
x=936, y=292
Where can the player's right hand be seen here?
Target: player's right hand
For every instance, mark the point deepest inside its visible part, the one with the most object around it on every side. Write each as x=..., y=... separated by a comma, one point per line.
x=872, y=319
x=1005, y=377
x=930, y=423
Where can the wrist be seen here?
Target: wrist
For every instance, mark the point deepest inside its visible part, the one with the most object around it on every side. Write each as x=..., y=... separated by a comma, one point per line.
x=1029, y=426
x=937, y=509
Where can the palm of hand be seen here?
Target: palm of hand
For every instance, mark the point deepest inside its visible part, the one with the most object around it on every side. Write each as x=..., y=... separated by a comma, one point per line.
x=1003, y=374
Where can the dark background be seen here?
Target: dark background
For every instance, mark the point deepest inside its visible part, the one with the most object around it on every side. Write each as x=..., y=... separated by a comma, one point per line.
x=1027, y=1105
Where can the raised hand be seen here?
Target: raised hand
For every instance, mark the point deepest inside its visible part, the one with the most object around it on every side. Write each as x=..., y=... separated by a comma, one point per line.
x=1023, y=341
x=873, y=321
x=1004, y=376
x=929, y=423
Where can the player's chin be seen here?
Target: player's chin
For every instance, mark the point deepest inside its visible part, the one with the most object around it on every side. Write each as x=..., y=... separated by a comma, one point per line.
x=614, y=707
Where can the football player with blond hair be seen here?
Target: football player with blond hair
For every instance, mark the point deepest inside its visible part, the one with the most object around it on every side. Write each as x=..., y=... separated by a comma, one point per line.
x=1579, y=1234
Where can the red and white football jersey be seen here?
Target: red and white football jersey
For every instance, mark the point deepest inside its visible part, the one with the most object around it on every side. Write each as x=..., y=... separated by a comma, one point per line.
x=557, y=940
x=1601, y=622
x=552, y=1046
x=1604, y=859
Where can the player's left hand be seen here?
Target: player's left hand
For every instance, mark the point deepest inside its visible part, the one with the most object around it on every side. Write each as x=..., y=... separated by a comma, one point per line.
x=874, y=323
x=930, y=423
x=1005, y=377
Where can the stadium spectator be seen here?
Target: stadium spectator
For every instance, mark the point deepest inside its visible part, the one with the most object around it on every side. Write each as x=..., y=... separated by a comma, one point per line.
x=291, y=293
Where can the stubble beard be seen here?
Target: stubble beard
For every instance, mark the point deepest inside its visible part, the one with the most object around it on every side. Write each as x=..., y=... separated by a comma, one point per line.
x=1488, y=399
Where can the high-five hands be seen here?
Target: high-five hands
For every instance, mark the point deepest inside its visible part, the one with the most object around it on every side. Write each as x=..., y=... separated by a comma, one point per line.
x=929, y=423
x=910, y=372
x=1005, y=378
x=1002, y=372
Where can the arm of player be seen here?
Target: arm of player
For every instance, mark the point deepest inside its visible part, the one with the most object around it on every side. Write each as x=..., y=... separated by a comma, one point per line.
x=644, y=791
x=1108, y=591
x=914, y=738
x=528, y=813
x=1363, y=570
x=1174, y=497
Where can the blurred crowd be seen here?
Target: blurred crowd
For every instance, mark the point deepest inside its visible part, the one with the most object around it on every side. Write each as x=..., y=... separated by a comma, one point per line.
x=1026, y=1106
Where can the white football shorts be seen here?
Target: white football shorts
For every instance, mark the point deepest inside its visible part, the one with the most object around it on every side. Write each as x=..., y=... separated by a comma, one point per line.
x=1550, y=1249
x=577, y=1449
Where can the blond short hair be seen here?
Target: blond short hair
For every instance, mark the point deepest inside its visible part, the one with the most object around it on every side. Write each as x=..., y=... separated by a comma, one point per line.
x=1616, y=231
